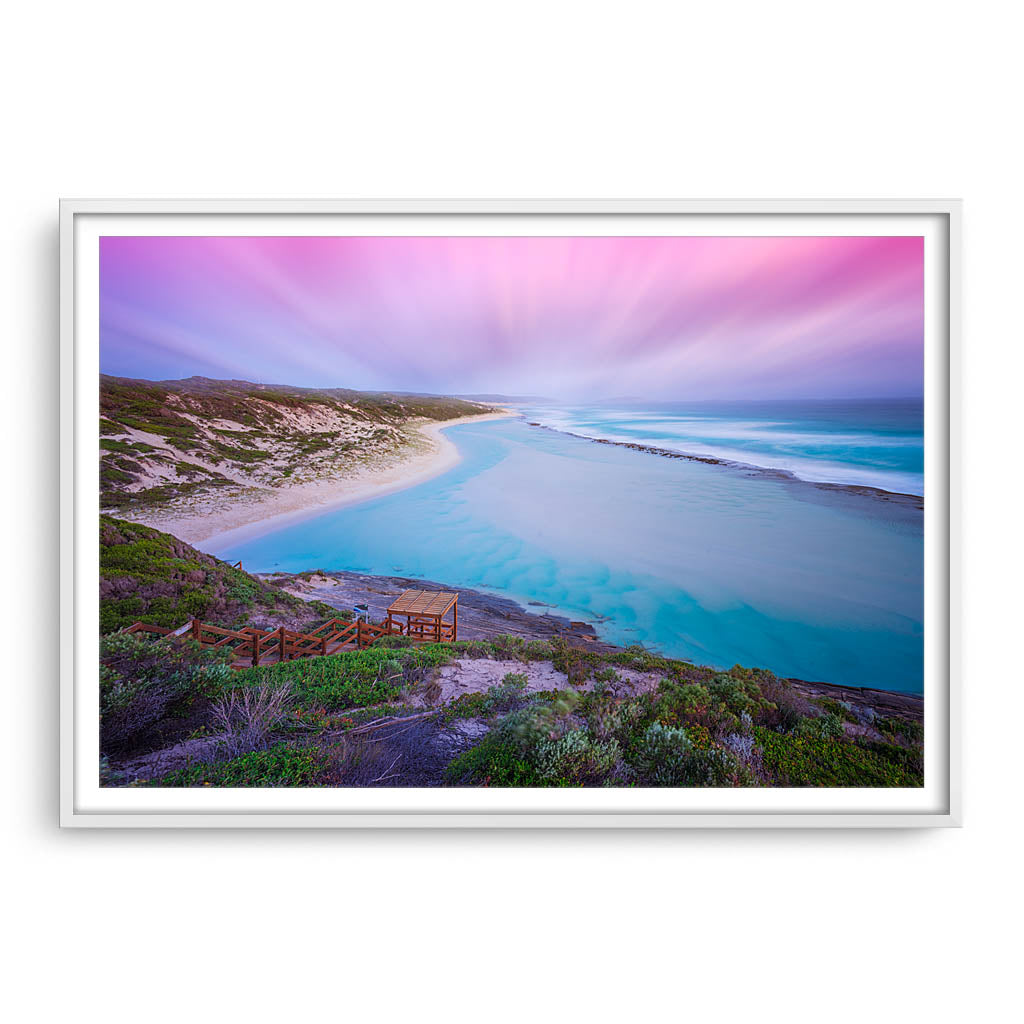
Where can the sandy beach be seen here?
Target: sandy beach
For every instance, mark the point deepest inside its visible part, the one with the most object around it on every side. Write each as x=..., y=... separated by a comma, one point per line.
x=261, y=509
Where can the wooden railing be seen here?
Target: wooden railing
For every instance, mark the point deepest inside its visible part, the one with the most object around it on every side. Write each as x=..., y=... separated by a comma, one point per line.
x=145, y=627
x=259, y=645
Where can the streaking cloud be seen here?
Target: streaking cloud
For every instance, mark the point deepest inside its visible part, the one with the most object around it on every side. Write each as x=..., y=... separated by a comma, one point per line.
x=570, y=317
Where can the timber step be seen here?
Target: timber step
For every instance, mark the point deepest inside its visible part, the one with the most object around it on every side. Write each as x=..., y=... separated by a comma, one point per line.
x=252, y=647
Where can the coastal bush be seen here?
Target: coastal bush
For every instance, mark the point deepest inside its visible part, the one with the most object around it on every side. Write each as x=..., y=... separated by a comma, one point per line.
x=472, y=649
x=826, y=727
x=152, y=577
x=574, y=759
x=507, y=645
x=679, y=702
x=143, y=683
x=718, y=706
x=394, y=642
x=402, y=754
x=609, y=718
x=494, y=761
x=667, y=757
x=735, y=696
x=801, y=760
x=840, y=708
x=507, y=694
x=781, y=707
x=280, y=765
x=541, y=744
x=642, y=660
x=161, y=494
x=901, y=729
x=605, y=677
x=575, y=662
x=466, y=705
x=741, y=745
x=352, y=679
x=503, y=697
x=247, y=716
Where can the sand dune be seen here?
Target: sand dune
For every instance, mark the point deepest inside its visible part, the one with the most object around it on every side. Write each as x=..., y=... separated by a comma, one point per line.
x=260, y=509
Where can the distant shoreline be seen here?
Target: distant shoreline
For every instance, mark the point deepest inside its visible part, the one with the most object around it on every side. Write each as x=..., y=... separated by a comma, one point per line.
x=898, y=497
x=268, y=510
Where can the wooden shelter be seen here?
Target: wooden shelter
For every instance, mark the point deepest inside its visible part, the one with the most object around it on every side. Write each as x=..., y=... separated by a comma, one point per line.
x=424, y=613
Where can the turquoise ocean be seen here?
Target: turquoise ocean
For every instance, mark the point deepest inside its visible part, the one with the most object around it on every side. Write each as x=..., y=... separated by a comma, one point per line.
x=750, y=561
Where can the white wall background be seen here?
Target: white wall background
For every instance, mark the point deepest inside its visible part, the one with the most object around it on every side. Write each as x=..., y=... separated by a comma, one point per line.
x=531, y=99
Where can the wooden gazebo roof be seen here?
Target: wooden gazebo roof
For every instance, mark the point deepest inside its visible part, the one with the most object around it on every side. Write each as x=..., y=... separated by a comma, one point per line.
x=432, y=604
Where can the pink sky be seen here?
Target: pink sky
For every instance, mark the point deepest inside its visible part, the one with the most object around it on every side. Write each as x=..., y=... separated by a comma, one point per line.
x=574, y=317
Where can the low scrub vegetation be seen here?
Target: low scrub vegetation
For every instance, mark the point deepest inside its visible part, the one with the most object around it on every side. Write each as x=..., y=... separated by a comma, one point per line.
x=346, y=720
x=152, y=577
x=352, y=679
x=280, y=765
x=149, y=688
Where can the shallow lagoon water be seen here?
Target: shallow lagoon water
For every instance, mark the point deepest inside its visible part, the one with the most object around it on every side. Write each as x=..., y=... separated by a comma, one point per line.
x=710, y=563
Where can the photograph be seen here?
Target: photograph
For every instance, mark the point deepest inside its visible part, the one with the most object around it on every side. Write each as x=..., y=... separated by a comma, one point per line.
x=496, y=511
x=483, y=473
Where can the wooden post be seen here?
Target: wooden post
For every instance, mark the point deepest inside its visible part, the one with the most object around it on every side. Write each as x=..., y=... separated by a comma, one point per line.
x=256, y=641
x=197, y=631
x=283, y=642
x=323, y=646
x=455, y=621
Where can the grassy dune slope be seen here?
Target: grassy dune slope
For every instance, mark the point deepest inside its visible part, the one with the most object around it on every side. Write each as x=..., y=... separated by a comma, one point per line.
x=149, y=576
x=170, y=440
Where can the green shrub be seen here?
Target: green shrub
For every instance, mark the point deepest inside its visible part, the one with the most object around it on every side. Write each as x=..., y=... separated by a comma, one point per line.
x=575, y=662
x=901, y=729
x=494, y=761
x=802, y=760
x=678, y=702
x=735, y=696
x=574, y=759
x=280, y=765
x=642, y=660
x=144, y=683
x=622, y=720
x=538, y=745
x=352, y=679
x=840, y=708
x=667, y=757
x=395, y=642
x=152, y=577
x=826, y=727
x=495, y=699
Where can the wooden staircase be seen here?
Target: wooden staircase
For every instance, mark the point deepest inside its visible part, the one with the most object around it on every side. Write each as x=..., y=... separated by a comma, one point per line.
x=252, y=647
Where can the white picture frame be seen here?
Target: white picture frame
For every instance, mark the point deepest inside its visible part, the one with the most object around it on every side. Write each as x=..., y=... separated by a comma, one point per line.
x=84, y=805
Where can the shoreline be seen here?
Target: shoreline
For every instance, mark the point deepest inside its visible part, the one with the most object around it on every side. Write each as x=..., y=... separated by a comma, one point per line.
x=267, y=510
x=751, y=469
x=483, y=615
